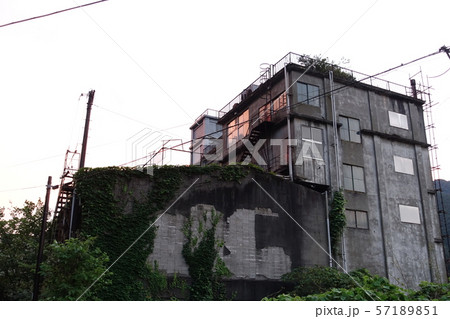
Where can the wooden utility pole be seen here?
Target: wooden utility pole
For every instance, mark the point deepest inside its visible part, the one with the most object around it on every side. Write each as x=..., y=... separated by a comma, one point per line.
x=86, y=127
x=37, y=277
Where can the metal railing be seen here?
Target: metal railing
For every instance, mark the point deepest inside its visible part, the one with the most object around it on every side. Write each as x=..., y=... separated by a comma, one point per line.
x=302, y=60
x=210, y=112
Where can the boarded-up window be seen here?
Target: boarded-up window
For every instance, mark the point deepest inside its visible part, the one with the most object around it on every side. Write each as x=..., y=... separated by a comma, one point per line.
x=356, y=219
x=409, y=214
x=312, y=143
x=403, y=165
x=398, y=120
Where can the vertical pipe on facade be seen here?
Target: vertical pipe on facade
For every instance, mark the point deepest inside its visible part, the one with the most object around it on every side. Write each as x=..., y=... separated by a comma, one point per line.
x=427, y=241
x=288, y=109
x=330, y=257
x=380, y=206
x=335, y=132
x=337, y=155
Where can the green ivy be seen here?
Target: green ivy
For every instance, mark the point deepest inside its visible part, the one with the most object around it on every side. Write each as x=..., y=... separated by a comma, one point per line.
x=103, y=217
x=337, y=220
x=200, y=252
x=316, y=280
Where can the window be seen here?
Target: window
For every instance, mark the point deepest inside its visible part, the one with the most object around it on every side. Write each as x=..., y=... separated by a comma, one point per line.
x=307, y=94
x=238, y=128
x=398, y=120
x=357, y=219
x=243, y=125
x=354, y=178
x=409, y=214
x=264, y=113
x=280, y=102
x=349, y=129
x=312, y=143
x=232, y=132
x=403, y=165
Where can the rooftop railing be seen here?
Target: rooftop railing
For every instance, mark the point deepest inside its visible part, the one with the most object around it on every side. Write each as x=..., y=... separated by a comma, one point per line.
x=270, y=70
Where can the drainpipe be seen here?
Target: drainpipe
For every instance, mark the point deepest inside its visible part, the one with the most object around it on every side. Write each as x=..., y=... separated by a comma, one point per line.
x=335, y=132
x=288, y=109
x=330, y=257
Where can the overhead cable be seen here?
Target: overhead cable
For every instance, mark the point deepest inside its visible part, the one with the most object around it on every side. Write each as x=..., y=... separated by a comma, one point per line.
x=52, y=13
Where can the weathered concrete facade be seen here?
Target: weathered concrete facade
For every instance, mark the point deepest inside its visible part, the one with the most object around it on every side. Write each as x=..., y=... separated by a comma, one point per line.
x=372, y=144
x=261, y=241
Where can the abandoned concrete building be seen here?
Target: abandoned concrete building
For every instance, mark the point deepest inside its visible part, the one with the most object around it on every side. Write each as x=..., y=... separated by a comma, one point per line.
x=320, y=127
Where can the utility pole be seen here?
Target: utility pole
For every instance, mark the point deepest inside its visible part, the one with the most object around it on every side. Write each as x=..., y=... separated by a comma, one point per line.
x=86, y=127
x=37, y=277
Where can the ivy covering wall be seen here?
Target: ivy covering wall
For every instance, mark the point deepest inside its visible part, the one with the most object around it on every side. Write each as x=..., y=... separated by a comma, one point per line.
x=116, y=217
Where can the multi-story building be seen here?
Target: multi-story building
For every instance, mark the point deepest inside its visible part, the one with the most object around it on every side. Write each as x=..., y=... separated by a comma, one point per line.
x=319, y=126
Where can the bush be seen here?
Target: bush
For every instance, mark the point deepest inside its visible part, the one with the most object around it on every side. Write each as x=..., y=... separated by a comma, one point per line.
x=71, y=268
x=317, y=280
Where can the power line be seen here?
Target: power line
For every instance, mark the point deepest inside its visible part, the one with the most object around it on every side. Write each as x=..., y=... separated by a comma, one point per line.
x=139, y=66
x=52, y=13
x=20, y=189
x=436, y=76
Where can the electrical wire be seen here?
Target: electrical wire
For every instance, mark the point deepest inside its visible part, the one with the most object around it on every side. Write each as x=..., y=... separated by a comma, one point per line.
x=325, y=93
x=437, y=76
x=52, y=13
x=141, y=122
x=334, y=43
x=137, y=64
x=20, y=189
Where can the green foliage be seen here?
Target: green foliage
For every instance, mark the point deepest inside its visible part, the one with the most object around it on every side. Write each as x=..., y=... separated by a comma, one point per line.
x=104, y=217
x=156, y=282
x=116, y=217
x=319, y=284
x=371, y=287
x=283, y=297
x=71, y=267
x=233, y=173
x=19, y=242
x=432, y=291
x=324, y=65
x=316, y=280
x=200, y=252
x=337, y=220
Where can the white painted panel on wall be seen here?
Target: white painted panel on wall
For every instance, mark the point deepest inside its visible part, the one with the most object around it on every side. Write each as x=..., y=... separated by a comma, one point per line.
x=409, y=214
x=398, y=120
x=403, y=165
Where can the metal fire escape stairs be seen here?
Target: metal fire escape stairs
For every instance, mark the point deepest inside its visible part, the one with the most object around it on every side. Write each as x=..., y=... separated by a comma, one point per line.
x=64, y=205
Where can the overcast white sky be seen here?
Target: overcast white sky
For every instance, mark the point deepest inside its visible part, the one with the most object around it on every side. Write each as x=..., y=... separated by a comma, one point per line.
x=159, y=64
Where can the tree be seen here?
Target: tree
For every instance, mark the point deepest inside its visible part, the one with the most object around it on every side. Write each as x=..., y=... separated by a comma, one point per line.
x=70, y=269
x=19, y=241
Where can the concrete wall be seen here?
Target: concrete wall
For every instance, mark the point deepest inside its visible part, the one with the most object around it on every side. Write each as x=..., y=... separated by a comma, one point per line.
x=406, y=253
x=261, y=241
